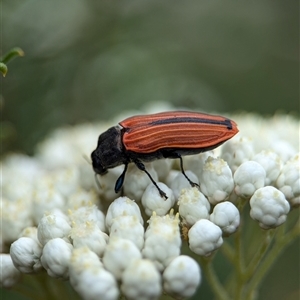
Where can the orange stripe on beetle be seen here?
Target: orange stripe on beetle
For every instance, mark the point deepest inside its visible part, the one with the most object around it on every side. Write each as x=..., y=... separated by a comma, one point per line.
x=145, y=138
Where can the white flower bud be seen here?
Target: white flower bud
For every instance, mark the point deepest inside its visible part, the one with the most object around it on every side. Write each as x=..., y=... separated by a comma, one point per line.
x=141, y=281
x=55, y=258
x=283, y=148
x=162, y=168
x=9, y=275
x=195, y=163
x=88, y=213
x=129, y=228
x=193, y=206
x=25, y=254
x=118, y=254
x=249, y=177
x=30, y=232
x=89, y=279
x=46, y=200
x=269, y=207
x=216, y=180
x=52, y=151
x=226, y=216
x=180, y=182
x=83, y=256
x=236, y=151
x=288, y=181
x=88, y=234
x=122, y=206
x=65, y=181
x=106, y=183
x=52, y=226
x=182, y=277
x=171, y=176
x=271, y=162
x=153, y=201
x=82, y=198
x=136, y=181
x=205, y=237
x=162, y=240
x=15, y=216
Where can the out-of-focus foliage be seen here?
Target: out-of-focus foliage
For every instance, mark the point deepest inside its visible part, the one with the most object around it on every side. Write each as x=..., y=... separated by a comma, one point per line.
x=88, y=59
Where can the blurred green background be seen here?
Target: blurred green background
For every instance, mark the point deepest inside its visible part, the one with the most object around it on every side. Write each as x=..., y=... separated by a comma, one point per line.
x=88, y=60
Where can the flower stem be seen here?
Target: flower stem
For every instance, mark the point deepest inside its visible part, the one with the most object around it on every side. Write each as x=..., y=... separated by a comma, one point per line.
x=218, y=289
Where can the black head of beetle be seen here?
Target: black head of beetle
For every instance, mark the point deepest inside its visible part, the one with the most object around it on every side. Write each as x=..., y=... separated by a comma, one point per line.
x=109, y=152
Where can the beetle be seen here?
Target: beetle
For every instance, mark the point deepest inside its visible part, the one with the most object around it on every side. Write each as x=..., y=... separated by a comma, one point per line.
x=145, y=138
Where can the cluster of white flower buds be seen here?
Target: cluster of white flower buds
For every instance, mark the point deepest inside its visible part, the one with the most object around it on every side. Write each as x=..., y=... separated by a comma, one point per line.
x=55, y=217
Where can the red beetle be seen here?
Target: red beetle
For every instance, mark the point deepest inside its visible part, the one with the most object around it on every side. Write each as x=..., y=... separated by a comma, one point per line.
x=171, y=134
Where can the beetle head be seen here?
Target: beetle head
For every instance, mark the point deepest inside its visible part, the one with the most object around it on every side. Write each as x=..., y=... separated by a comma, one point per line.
x=109, y=152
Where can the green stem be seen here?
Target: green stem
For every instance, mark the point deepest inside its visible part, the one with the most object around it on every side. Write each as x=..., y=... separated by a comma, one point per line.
x=218, y=289
x=228, y=251
x=259, y=254
x=282, y=241
x=239, y=265
x=12, y=54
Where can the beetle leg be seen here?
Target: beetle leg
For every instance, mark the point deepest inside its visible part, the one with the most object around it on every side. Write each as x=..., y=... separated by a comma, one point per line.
x=141, y=166
x=120, y=180
x=182, y=171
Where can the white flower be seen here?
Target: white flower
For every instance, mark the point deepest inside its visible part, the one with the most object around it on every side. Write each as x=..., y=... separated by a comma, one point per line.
x=249, y=177
x=180, y=182
x=153, y=201
x=283, y=148
x=136, y=181
x=52, y=226
x=141, y=281
x=118, y=254
x=15, y=216
x=271, y=162
x=88, y=234
x=288, y=181
x=205, y=237
x=46, y=199
x=269, y=207
x=226, y=216
x=55, y=258
x=88, y=277
x=162, y=168
x=196, y=162
x=106, y=183
x=216, y=180
x=66, y=180
x=193, y=206
x=128, y=227
x=182, y=277
x=82, y=198
x=25, y=253
x=162, y=240
x=88, y=213
x=30, y=232
x=122, y=206
x=236, y=151
x=9, y=275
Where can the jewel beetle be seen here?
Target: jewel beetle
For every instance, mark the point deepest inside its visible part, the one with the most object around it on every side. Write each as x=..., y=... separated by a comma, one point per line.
x=145, y=138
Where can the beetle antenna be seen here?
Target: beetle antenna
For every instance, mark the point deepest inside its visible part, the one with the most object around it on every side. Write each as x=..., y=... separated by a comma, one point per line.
x=182, y=171
x=141, y=166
